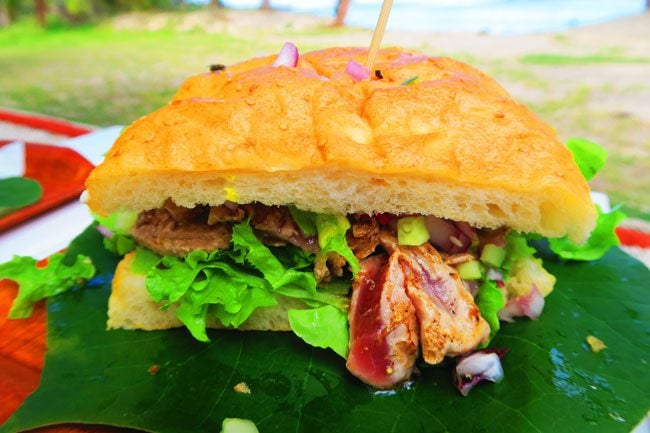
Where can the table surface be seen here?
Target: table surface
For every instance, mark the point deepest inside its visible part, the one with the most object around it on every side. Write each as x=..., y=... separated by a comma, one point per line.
x=22, y=350
x=22, y=342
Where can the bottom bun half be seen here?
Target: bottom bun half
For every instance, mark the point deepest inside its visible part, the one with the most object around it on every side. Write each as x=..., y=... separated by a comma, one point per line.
x=131, y=307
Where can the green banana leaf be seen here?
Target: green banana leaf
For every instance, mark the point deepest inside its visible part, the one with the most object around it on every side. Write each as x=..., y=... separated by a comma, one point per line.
x=553, y=381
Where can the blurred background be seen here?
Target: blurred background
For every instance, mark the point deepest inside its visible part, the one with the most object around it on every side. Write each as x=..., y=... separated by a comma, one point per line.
x=584, y=66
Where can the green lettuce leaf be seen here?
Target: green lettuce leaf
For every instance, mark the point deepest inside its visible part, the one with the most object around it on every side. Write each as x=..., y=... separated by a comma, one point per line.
x=202, y=280
x=589, y=157
x=249, y=249
x=292, y=256
x=38, y=283
x=309, y=325
x=600, y=241
x=306, y=220
x=144, y=260
x=229, y=285
x=119, y=222
x=331, y=238
x=119, y=244
x=489, y=301
x=331, y=230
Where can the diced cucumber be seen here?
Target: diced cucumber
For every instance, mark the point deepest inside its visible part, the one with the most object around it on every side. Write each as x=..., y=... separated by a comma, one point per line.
x=493, y=255
x=238, y=425
x=470, y=270
x=412, y=231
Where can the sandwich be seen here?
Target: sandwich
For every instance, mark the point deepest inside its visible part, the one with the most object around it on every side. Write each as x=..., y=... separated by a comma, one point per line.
x=383, y=216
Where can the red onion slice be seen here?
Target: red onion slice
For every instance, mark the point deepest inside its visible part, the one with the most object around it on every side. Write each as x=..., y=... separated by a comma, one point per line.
x=440, y=231
x=446, y=235
x=288, y=56
x=467, y=230
x=494, y=275
x=472, y=287
x=105, y=231
x=478, y=366
x=530, y=305
x=357, y=71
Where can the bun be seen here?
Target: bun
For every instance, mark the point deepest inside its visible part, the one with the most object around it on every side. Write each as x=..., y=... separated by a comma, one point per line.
x=131, y=307
x=452, y=144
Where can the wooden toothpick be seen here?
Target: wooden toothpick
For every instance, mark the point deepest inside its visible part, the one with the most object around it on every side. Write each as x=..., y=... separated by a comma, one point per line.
x=379, y=34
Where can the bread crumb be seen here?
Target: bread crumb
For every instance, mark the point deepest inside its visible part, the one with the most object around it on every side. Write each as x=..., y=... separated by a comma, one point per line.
x=595, y=344
x=242, y=387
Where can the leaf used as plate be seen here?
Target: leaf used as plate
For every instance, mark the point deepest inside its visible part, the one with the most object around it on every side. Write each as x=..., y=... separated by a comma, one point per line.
x=553, y=382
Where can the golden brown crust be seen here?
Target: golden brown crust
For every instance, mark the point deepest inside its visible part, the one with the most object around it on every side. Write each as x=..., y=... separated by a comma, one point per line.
x=453, y=144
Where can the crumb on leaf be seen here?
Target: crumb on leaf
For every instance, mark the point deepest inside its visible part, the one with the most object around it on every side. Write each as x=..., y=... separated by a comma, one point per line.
x=595, y=344
x=242, y=387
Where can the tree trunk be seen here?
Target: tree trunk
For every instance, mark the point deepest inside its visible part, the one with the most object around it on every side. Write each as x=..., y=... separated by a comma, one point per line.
x=342, y=10
x=4, y=16
x=40, y=9
x=11, y=9
x=266, y=5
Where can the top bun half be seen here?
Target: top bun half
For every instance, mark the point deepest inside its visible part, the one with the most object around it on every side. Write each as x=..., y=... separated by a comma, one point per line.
x=452, y=143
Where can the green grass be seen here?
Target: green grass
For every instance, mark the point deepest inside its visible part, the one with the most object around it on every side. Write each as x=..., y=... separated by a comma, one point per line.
x=547, y=59
x=502, y=70
x=100, y=76
x=571, y=100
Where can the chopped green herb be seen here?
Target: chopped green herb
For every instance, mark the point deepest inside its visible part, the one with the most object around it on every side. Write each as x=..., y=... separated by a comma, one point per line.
x=410, y=81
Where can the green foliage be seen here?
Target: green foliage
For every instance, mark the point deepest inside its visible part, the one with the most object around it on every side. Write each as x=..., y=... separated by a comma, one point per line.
x=78, y=8
x=553, y=382
x=36, y=283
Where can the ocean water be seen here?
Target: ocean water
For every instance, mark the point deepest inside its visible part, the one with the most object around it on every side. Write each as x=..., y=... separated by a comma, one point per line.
x=490, y=16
